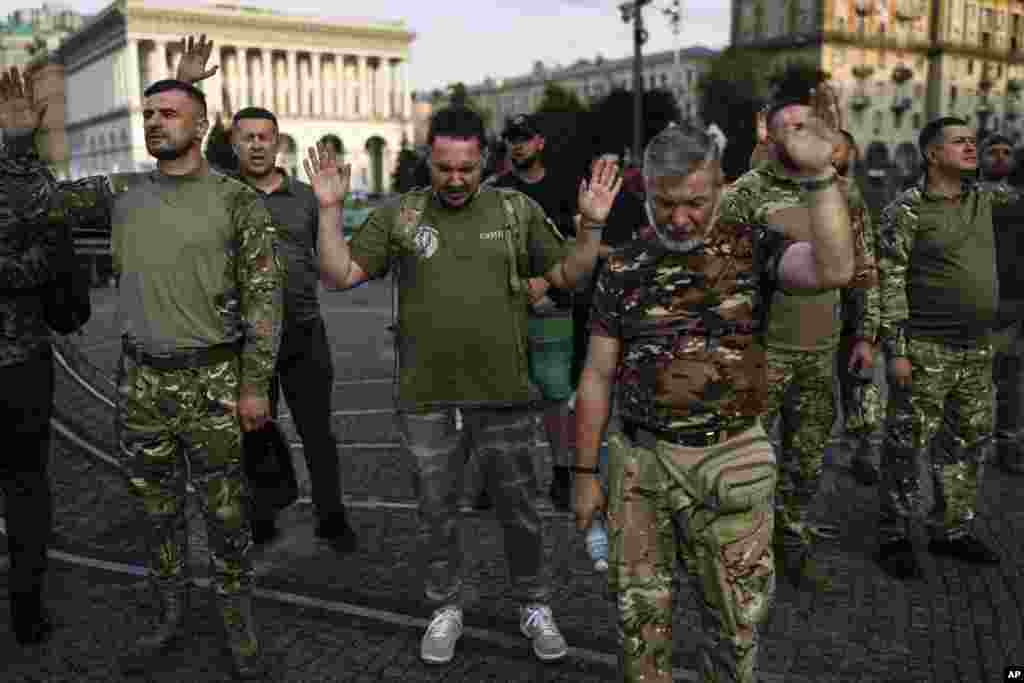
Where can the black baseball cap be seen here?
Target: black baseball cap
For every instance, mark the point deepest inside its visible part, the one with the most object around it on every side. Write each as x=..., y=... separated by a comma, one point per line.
x=794, y=88
x=521, y=126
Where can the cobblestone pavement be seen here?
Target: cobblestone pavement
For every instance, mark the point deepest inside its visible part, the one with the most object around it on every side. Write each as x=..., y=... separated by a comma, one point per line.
x=360, y=618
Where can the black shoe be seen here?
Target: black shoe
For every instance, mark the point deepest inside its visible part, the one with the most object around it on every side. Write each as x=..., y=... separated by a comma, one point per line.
x=966, y=548
x=561, y=493
x=863, y=471
x=33, y=626
x=897, y=559
x=483, y=501
x=264, y=531
x=337, y=533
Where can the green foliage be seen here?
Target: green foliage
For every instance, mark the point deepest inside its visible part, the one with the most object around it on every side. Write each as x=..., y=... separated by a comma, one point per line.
x=559, y=99
x=219, y=152
x=613, y=118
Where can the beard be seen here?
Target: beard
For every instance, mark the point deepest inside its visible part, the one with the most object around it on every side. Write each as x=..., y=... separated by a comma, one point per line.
x=679, y=240
x=526, y=162
x=169, y=151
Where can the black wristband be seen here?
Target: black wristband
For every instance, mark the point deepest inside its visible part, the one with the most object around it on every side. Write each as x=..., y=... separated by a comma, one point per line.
x=585, y=470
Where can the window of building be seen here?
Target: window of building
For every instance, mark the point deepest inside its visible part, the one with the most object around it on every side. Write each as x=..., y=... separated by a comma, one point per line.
x=952, y=95
x=897, y=120
x=664, y=80
x=917, y=121
x=970, y=67
x=878, y=122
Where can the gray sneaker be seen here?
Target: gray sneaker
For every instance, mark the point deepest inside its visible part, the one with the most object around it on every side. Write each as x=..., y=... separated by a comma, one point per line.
x=445, y=629
x=537, y=624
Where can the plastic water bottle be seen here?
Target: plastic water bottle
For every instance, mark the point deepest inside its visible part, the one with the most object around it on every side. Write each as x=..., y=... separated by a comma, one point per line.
x=597, y=544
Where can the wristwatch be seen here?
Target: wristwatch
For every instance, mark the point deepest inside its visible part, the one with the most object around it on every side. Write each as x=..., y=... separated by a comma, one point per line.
x=585, y=470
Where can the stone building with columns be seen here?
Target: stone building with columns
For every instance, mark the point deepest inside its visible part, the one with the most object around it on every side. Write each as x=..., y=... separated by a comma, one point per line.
x=319, y=76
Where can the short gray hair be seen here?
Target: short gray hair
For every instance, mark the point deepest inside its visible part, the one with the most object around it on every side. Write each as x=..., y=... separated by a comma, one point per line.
x=676, y=151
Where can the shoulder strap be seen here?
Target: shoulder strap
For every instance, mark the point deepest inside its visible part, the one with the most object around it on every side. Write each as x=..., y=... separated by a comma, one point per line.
x=516, y=240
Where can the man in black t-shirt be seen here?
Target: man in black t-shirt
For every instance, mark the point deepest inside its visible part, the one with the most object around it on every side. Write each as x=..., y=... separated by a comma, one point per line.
x=551, y=319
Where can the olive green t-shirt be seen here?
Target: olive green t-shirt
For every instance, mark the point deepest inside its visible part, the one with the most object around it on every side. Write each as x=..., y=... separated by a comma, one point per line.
x=197, y=261
x=461, y=333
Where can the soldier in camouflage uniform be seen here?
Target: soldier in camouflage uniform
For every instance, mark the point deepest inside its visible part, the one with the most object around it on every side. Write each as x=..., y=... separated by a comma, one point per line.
x=803, y=331
x=860, y=400
x=200, y=308
x=998, y=166
x=35, y=250
x=677, y=328
x=465, y=253
x=938, y=289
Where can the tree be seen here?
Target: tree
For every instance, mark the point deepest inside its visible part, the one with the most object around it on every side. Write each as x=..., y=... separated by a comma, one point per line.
x=736, y=85
x=219, y=151
x=458, y=96
x=559, y=99
x=612, y=122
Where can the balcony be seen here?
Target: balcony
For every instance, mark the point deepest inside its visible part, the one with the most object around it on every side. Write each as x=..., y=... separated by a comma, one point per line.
x=862, y=71
x=901, y=74
x=865, y=7
x=908, y=10
x=859, y=101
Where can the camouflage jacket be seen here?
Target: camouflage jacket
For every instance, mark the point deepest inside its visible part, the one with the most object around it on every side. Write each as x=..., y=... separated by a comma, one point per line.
x=937, y=265
x=37, y=217
x=765, y=194
x=691, y=326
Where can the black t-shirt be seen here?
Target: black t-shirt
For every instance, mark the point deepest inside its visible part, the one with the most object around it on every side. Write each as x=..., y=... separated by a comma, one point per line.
x=556, y=197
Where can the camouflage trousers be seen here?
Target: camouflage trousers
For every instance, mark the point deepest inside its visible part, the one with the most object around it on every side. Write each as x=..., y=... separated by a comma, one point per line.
x=663, y=505
x=1008, y=375
x=800, y=396
x=175, y=430
x=860, y=399
x=946, y=416
x=500, y=443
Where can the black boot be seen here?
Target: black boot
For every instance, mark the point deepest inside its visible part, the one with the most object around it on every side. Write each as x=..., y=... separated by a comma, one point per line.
x=264, y=531
x=169, y=629
x=561, y=489
x=30, y=619
x=242, y=642
x=337, y=532
x=966, y=548
x=897, y=559
x=865, y=465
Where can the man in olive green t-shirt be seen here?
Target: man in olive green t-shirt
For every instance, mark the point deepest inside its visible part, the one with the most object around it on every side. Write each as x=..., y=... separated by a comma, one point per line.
x=939, y=306
x=462, y=267
x=803, y=331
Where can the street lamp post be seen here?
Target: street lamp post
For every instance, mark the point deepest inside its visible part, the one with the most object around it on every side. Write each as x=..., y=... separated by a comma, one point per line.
x=633, y=12
x=675, y=18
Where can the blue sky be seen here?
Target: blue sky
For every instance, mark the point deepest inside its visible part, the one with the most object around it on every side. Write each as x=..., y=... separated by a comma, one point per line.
x=468, y=40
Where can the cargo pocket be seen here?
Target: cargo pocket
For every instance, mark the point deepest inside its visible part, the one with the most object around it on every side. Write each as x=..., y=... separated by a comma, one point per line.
x=738, y=477
x=619, y=459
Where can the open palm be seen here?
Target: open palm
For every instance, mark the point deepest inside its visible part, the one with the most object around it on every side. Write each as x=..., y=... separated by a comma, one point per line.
x=19, y=110
x=330, y=183
x=194, y=55
x=596, y=196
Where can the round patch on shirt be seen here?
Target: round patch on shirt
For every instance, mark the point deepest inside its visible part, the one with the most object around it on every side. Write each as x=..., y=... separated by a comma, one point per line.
x=426, y=240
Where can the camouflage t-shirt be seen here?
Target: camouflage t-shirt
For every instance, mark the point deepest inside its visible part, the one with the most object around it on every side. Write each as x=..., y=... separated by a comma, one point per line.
x=691, y=325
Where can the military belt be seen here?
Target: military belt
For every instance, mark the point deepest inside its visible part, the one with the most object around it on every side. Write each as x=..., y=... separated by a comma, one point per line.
x=641, y=433
x=182, y=360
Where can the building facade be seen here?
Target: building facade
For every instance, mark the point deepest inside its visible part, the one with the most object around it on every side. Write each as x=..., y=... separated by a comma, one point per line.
x=900, y=63
x=592, y=80
x=318, y=76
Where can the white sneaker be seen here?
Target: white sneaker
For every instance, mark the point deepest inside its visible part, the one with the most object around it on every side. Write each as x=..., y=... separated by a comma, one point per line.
x=445, y=629
x=537, y=623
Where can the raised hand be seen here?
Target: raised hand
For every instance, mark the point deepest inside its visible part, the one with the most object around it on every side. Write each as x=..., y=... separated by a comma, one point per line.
x=825, y=103
x=20, y=113
x=330, y=183
x=596, y=196
x=810, y=145
x=194, y=55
